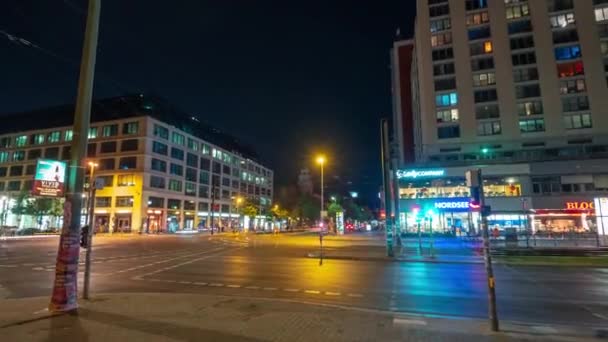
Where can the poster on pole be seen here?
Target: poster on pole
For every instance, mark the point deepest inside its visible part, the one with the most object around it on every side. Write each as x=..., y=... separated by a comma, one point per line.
x=340, y=222
x=49, y=179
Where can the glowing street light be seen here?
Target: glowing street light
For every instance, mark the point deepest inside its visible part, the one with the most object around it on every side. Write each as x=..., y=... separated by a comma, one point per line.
x=321, y=162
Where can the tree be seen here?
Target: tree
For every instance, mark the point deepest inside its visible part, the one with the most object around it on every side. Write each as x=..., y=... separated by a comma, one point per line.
x=334, y=208
x=309, y=208
x=37, y=207
x=249, y=209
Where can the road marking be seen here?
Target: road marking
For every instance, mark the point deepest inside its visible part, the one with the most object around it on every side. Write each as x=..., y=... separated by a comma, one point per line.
x=333, y=293
x=291, y=290
x=312, y=291
x=234, y=286
x=397, y=320
x=158, y=262
x=8, y=266
x=544, y=330
x=38, y=269
x=356, y=295
x=185, y=282
x=49, y=270
x=270, y=289
x=200, y=284
x=216, y=284
x=206, y=253
x=252, y=287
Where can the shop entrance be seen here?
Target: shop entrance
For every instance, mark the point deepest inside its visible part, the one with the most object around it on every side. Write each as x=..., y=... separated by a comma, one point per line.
x=102, y=223
x=123, y=223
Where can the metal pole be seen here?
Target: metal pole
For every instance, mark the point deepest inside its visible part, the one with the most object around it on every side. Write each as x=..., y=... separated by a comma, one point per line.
x=385, y=155
x=322, y=191
x=431, y=232
x=419, y=239
x=396, y=198
x=492, y=313
x=91, y=209
x=65, y=288
x=212, y=203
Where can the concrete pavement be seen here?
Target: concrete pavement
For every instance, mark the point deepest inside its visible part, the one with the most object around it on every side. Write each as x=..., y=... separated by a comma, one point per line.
x=277, y=268
x=175, y=317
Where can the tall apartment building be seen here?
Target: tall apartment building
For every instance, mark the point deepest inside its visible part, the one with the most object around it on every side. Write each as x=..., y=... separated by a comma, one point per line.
x=519, y=89
x=401, y=68
x=163, y=170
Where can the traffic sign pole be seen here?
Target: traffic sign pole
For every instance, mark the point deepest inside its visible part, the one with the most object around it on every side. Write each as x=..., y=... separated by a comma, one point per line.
x=475, y=182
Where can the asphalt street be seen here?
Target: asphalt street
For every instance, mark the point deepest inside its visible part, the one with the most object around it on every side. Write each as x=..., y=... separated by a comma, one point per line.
x=278, y=268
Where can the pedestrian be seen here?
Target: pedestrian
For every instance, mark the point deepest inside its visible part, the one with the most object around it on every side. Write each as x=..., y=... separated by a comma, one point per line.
x=496, y=233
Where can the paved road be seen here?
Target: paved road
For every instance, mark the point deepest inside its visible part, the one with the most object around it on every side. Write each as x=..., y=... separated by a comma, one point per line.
x=278, y=268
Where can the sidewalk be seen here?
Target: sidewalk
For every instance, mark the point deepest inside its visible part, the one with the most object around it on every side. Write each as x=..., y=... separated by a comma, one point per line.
x=172, y=317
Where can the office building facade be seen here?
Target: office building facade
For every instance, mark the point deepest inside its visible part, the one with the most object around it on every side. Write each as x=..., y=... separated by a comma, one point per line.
x=519, y=89
x=160, y=168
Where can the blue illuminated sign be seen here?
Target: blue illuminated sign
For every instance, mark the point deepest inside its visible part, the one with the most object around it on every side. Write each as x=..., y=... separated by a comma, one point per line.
x=414, y=174
x=452, y=205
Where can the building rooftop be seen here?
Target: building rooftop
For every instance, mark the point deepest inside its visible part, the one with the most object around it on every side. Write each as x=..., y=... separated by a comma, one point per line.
x=122, y=107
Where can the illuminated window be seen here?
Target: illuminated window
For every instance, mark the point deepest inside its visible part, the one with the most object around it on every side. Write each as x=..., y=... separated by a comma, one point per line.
x=21, y=140
x=92, y=133
x=487, y=47
x=578, y=121
x=130, y=128
x=570, y=69
x=449, y=115
x=517, y=11
x=109, y=130
x=489, y=128
x=175, y=185
x=477, y=18
x=532, y=125
x=37, y=139
x=126, y=180
x=54, y=137
x=124, y=201
x=68, y=135
x=601, y=13
x=562, y=20
x=177, y=138
x=445, y=100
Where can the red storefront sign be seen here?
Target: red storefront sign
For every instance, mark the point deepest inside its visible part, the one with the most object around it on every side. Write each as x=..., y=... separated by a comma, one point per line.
x=579, y=205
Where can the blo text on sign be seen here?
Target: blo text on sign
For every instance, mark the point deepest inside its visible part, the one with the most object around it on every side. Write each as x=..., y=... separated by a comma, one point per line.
x=580, y=205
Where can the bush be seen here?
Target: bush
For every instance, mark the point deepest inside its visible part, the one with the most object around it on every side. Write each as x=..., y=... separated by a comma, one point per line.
x=8, y=231
x=28, y=231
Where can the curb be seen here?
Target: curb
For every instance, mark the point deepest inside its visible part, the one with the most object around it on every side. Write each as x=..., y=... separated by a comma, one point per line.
x=387, y=259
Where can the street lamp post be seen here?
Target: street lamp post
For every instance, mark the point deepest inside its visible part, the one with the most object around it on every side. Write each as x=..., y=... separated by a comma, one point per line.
x=237, y=201
x=321, y=162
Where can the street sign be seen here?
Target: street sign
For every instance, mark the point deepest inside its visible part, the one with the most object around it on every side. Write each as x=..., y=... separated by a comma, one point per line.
x=99, y=183
x=323, y=213
x=472, y=177
x=49, y=179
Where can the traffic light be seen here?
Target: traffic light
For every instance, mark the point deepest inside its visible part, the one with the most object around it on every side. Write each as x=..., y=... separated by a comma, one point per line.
x=84, y=237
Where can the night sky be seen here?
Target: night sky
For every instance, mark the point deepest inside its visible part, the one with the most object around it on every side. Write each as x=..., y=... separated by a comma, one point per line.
x=289, y=77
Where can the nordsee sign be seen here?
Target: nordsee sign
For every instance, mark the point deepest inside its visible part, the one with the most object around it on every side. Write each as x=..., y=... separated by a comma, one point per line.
x=452, y=205
x=413, y=174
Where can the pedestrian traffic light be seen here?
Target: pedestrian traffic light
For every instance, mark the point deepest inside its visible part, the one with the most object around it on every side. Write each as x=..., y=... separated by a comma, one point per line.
x=84, y=237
